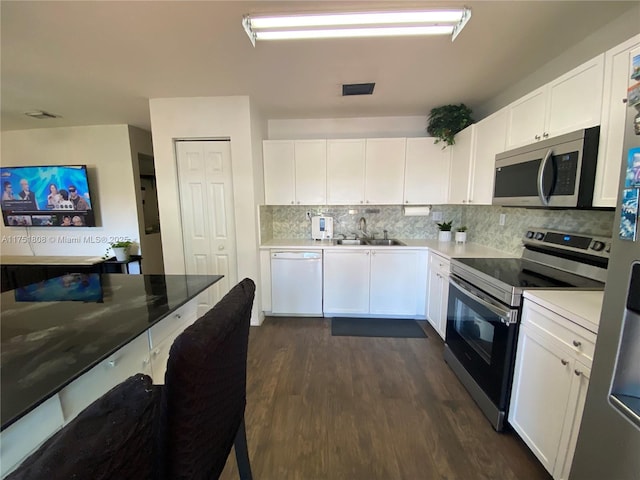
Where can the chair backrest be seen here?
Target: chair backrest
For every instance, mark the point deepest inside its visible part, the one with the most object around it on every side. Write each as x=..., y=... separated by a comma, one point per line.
x=204, y=395
x=112, y=438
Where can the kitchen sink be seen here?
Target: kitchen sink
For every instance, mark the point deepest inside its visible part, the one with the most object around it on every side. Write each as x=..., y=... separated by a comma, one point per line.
x=344, y=241
x=370, y=242
x=384, y=242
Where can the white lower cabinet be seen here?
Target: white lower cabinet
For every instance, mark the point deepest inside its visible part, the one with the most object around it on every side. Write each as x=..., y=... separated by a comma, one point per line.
x=374, y=282
x=549, y=385
x=438, y=293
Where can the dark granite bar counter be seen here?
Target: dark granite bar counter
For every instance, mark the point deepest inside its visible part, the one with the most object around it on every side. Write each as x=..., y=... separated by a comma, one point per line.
x=54, y=331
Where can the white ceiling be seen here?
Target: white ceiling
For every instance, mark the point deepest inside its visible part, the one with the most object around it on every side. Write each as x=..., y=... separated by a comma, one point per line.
x=98, y=62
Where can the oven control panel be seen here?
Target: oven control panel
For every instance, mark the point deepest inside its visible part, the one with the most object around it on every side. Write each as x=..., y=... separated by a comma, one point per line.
x=591, y=245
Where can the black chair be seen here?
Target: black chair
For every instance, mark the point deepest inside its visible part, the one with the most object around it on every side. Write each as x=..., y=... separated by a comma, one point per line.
x=204, y=395
x=111, y=439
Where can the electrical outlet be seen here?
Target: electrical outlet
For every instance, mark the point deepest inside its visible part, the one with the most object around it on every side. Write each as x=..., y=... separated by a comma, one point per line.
x=436, y=216
x=503, y=219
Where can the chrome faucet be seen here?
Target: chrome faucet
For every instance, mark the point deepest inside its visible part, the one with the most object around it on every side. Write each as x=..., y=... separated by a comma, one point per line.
x=363, y=227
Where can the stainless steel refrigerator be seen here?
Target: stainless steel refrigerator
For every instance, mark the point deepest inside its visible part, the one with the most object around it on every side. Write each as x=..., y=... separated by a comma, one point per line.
x=608, y=445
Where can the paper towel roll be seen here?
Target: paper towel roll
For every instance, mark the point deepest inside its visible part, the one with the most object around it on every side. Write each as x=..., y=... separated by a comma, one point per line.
x=422, y=211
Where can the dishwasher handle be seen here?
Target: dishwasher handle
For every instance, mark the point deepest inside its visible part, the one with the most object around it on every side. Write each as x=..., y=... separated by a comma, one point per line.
x=296, y=255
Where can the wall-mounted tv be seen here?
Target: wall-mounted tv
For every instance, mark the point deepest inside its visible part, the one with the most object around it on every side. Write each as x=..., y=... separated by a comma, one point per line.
x=49, y=196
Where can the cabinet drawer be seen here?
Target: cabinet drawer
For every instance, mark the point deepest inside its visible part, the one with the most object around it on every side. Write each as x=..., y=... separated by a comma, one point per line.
x=578, y=339
x=176, y=321
x=439, y=263
x=23, y=437
x=131, y=359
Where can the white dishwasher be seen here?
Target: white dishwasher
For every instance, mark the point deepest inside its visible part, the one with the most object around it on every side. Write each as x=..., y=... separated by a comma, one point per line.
x=296, y=282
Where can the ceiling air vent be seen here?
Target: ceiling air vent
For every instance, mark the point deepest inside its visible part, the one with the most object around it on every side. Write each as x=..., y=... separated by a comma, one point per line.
x=41, y=115
x=357, y=89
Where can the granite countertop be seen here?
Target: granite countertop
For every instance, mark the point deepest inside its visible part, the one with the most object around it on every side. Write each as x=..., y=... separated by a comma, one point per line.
x=580, y=307
x=48, y=339
x=446, y=249
x=48, y=260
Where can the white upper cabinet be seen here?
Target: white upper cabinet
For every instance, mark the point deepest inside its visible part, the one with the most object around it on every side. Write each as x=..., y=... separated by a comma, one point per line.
x=295, y=172
x=526, y=118
x=279, y=172
x=426, y=175
x=461, y=157
x=568, y=103
x=311, y=172
x=384, y=171
x=614, y=110
x=345, y=171
x=490, y=139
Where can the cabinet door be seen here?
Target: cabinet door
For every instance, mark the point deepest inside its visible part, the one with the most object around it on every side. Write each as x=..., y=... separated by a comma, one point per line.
x=575, y=99
x=395, y=286
x=540, y=392
x=311, y=172
x=434, y=299
x=573, y=418
x=461, y=166
x=346, y=281
x=491, y=138
x=384, y=170
x=426, y=175
x=279, y=176
x=526, y=119
x=131, y=359
x=345, y=172
x=614, y=110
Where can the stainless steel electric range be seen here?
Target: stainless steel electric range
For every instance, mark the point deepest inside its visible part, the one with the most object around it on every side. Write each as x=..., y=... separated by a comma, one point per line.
x=485, y=298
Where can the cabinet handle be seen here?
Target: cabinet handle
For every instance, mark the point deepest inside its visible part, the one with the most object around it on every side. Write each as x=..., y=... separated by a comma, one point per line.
x=298, y=202
x=155, y=352
x=178, y=316
x=367, y=252
x=464, y=201
x=406, y=201
x=470, y=201
x=373, y=253
x=367, y=201
x=577, y=372
x=145, y=362
x=537, y=137
x=564, y=362
x=576, y=343
x=291, y=202
x=111, y=363
x=625, y=100
x=361, y=201
x=220, y=247
x=545, y=135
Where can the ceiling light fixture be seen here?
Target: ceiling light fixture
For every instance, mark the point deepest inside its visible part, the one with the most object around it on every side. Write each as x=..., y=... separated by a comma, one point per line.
x=41, y=115
x=351, y=25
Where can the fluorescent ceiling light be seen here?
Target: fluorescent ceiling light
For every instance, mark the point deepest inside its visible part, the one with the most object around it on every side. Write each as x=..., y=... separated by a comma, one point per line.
x=349, y=25
x=354, y=32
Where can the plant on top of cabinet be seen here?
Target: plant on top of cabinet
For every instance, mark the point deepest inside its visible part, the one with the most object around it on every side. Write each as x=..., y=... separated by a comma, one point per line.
x=447, y=120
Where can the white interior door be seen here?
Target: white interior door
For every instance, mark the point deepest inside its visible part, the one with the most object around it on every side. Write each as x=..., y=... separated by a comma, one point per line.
x=208, y=222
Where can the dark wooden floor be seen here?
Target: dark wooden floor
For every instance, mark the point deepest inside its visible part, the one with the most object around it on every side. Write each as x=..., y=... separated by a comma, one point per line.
x=323, y=407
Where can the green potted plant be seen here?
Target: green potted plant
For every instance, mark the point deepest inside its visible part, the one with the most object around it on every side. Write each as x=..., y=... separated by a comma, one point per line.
x=447, y=120
x=461, y=234
x=120, y=250
x=445, y=231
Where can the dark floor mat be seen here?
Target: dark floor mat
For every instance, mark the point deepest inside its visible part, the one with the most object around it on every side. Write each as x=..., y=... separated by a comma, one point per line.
x=376, y=327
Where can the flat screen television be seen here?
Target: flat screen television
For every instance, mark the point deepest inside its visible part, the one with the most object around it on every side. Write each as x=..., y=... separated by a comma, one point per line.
x=47, y=196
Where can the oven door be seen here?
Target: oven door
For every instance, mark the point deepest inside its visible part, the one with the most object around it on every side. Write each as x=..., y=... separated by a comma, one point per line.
x=482, y=334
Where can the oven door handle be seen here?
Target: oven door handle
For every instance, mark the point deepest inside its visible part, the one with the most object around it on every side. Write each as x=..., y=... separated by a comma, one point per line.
x=506, y=315
x=543, y=198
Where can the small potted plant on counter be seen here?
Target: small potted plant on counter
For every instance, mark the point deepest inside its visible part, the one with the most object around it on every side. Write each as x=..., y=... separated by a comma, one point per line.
x=120, y=250
x=445, y=231
x=461, y=234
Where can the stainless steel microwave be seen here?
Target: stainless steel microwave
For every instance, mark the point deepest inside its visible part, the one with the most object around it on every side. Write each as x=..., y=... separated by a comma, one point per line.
x=558, y=172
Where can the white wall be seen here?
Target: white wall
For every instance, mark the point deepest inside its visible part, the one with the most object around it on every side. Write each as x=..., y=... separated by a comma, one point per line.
x=610, y=35
x=106, y=151
x=407, y=126
x=150, y=244
x=206, y=118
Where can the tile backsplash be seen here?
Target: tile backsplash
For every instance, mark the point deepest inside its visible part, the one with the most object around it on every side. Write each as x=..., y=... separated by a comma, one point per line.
x=281, y=222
